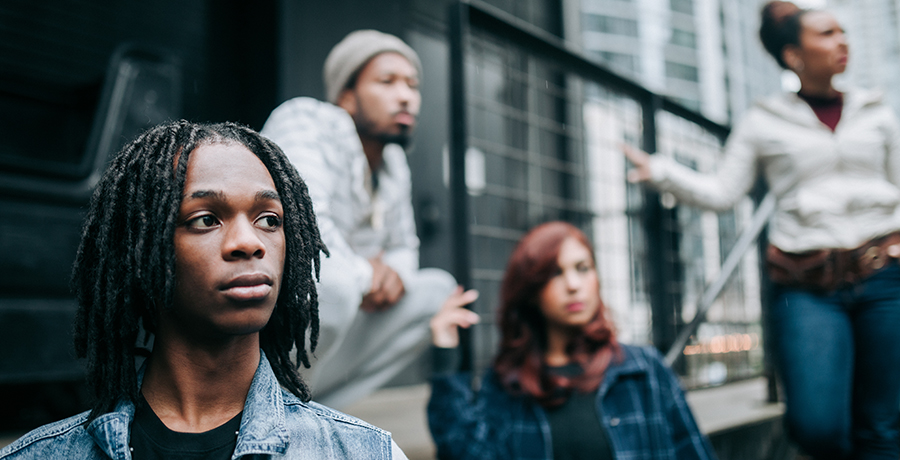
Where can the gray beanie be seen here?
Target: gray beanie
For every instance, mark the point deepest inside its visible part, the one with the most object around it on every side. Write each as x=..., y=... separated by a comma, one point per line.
x=355, y=50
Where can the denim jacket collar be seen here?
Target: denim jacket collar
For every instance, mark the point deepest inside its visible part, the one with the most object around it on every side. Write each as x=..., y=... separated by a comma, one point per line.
x=263, y=429
x=111, y=431
x=620, y=366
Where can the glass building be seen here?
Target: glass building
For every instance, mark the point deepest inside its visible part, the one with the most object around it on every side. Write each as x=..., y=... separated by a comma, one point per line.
x=704, y=54
x=873, y=33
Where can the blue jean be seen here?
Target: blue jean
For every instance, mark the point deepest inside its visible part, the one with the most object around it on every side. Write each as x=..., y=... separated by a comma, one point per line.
x=839, y=357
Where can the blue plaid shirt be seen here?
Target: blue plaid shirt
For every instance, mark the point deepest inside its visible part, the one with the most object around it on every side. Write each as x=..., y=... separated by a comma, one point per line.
x=640, y=400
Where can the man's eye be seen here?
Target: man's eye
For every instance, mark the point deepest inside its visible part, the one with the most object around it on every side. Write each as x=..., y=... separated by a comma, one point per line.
x=203, y=222
x=270, y=222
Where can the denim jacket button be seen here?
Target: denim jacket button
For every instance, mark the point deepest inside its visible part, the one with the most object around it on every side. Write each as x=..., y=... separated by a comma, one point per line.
x=614, y=421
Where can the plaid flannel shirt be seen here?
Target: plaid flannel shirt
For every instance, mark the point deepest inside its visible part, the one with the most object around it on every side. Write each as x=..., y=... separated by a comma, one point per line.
x=640, y=400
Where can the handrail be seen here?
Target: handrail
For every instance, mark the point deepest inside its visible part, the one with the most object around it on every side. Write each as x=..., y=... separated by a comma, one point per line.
x=759, y=220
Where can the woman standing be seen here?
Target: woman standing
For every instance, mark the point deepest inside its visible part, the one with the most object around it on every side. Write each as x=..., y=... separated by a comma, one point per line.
x=561, y=386
x=832, y=159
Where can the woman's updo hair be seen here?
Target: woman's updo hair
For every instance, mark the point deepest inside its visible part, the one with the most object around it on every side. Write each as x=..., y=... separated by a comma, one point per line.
x=780, y=27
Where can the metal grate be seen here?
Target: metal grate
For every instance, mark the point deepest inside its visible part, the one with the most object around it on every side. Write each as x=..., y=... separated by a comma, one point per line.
x=728, y=346
x=542, y=129
x=619, y=236
x=525, y=162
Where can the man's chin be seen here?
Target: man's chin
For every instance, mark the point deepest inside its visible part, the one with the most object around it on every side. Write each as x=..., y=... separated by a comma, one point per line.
x=402, y=139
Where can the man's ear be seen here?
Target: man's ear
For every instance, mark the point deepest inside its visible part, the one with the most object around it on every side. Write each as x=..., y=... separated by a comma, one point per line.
x=347, y=101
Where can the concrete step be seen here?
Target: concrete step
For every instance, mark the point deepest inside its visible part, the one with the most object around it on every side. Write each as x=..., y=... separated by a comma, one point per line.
x=740, y=423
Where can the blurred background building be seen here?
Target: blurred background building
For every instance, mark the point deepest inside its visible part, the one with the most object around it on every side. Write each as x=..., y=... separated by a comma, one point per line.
x=702, y=53
x=873, y=31
x=525, y=106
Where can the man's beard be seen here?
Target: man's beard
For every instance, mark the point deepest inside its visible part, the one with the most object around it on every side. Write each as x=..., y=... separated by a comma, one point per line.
x=366, y=127
x=402, y=138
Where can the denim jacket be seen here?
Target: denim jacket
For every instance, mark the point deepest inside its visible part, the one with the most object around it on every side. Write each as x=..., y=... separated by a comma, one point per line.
x=275, y=424
x=640, y=400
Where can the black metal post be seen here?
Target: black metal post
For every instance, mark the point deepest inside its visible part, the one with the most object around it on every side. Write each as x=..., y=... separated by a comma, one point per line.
x=662, y=244
x=459, y=32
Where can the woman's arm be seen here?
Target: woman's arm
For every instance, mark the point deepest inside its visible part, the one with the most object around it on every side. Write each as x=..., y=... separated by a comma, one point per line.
x=466, y=424
x=453, y=415
x=892, y=146
x=458, y=422
x=719, y=191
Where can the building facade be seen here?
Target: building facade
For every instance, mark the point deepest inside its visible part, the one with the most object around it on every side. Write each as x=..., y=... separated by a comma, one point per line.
x=873, y=33
x=704, y=54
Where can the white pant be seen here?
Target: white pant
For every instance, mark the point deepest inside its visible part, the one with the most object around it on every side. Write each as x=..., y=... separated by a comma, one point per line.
x=358, y=352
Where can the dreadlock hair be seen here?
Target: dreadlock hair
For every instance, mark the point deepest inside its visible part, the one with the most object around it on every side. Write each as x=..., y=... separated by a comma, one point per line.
x=519, y=363
x=124, y=270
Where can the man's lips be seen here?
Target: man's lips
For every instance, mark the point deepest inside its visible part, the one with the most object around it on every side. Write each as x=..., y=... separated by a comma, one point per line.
x=404, y=118
x=248, y=287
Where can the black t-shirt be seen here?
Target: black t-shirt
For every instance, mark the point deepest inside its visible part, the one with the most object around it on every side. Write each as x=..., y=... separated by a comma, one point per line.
x=575, y=426
x=152, y=440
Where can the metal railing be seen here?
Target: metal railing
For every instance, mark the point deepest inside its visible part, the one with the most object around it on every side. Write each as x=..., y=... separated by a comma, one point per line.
x=529, y=67
x=751, y=233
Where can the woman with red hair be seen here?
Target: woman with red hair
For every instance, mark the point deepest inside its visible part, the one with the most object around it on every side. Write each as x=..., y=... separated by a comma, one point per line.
x=561, y=386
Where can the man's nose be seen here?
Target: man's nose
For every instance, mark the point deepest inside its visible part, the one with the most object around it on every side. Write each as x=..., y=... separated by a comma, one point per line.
x=405, y=92
x=242, y=241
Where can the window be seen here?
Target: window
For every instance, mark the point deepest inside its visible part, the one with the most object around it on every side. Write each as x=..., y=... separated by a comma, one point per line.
x=682, y=71
x=683, y=38
x=609, y=25
x=682, y=6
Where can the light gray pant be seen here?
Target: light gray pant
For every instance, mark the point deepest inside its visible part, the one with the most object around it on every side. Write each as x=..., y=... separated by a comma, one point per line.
x=358, y=352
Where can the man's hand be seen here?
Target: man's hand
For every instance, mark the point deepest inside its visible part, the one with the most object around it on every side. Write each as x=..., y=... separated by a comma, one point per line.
x=453, y=315
x=387, y=287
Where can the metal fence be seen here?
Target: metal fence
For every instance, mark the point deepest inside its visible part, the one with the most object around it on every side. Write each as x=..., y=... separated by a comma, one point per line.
x=536, y=135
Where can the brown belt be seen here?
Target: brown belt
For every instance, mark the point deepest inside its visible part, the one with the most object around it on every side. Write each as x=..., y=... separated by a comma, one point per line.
x=829, y=269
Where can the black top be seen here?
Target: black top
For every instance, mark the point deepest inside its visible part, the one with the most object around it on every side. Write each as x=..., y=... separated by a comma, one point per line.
x=575, y=426
x=828, y=110
x=152, y=439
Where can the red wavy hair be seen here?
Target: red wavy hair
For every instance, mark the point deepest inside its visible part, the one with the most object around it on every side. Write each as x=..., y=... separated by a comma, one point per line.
x=519, y=363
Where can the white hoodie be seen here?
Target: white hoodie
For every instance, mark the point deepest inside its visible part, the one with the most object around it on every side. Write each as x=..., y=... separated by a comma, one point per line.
x=834, y=189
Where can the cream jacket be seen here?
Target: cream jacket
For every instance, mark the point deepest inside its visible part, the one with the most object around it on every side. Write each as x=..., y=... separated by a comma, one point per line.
x=834, y=189
x=356, y=224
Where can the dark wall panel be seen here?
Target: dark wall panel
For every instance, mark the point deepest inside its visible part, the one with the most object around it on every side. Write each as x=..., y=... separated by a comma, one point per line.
x=310, y=29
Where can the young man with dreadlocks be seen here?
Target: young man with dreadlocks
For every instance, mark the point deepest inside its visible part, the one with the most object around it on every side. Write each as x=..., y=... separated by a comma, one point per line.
x=204, y=237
